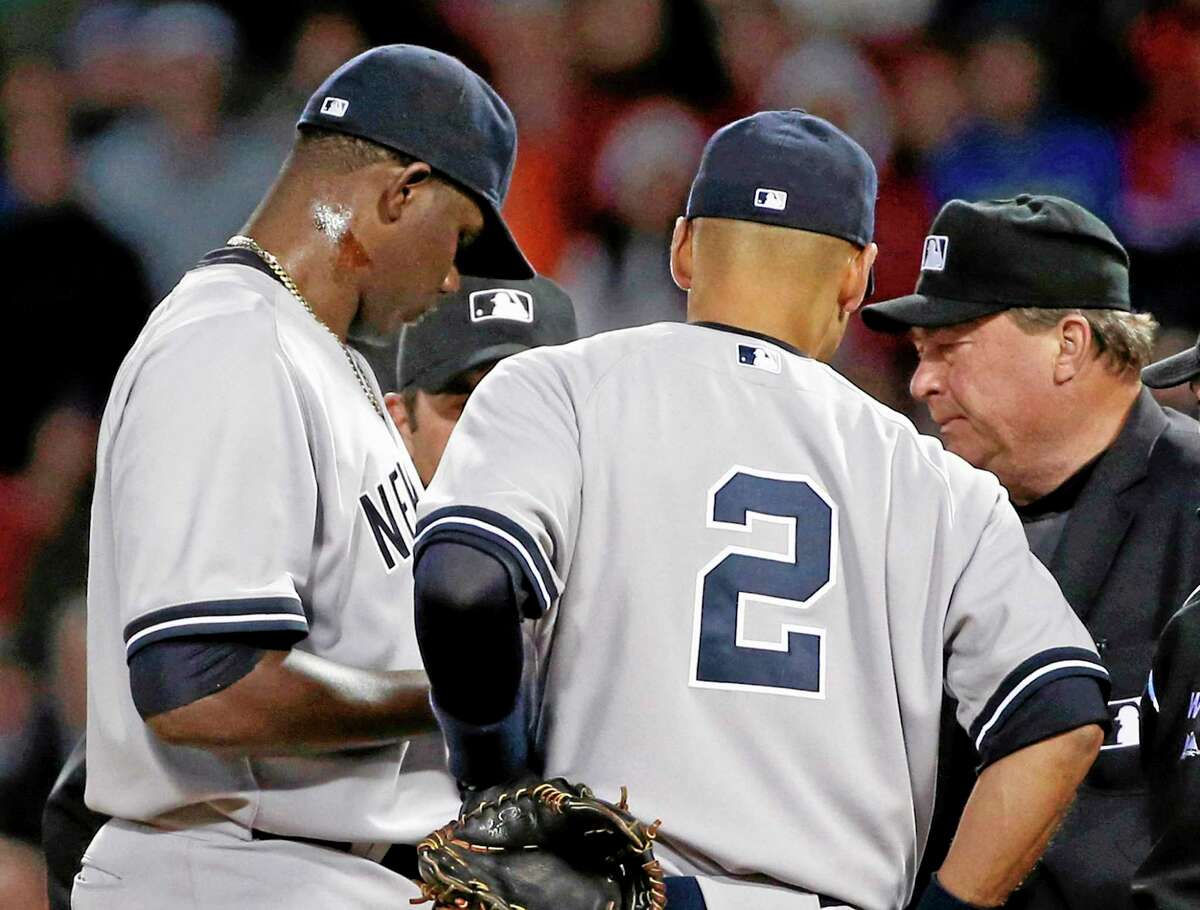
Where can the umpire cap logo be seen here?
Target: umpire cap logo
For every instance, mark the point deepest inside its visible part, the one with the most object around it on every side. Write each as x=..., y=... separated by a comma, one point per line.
x=501, y=303
x=934, y=257
x=335, y=107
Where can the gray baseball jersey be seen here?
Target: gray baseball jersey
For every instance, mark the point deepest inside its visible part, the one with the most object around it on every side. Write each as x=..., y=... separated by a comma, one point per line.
x=245, y=485
x=756, y=583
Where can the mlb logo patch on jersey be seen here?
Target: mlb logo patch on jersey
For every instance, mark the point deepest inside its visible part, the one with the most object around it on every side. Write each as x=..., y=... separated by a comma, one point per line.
x=933, y=259
x=776, y=200
x=1126, y=715
x=335, y=107
x=501, y=303
x=760, y=358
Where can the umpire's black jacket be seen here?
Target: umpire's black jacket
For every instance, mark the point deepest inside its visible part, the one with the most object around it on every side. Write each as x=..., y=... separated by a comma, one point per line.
x=1128, y=557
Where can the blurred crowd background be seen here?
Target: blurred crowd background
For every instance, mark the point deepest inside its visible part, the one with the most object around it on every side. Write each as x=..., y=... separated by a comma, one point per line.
x=137, y=136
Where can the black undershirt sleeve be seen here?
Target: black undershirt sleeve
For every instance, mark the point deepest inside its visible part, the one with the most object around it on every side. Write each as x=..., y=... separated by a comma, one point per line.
x=468, y=617
x=1058, y=706
x=178, y=671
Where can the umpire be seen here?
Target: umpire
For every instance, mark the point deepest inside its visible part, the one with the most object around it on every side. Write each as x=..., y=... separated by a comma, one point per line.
x=445, y=355
x=1029, y=360
x=1169, y=879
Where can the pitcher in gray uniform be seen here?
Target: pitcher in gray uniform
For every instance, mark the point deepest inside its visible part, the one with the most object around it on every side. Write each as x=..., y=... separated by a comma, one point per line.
x=253, y=677
x=745, y=583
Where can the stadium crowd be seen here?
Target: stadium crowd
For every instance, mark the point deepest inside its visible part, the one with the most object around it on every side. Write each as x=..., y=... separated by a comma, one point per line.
x=136, y=136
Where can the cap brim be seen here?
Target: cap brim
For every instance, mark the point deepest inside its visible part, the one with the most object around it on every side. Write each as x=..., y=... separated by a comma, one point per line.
x=495, y=253
x=436, y=378
x=1175, y=370
x=903, y=313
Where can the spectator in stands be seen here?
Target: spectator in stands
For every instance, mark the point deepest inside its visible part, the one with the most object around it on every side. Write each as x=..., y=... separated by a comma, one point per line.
x=1014, y=143
x=184, y=156
x=617, y=274
x=103, y=64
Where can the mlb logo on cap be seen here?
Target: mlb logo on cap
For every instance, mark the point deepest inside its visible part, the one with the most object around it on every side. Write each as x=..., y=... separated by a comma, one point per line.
x=335, y=107
x=933, y=259
x=760, y=358
x=770, y=199
x=501, y=303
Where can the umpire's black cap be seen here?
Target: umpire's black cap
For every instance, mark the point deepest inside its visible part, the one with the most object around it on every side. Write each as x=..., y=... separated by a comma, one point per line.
x=431, y=107
x=1174, y=370
x=982, y=258
x=484, y=321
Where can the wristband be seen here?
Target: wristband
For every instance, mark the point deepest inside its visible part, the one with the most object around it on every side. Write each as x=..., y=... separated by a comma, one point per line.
x=482, y=755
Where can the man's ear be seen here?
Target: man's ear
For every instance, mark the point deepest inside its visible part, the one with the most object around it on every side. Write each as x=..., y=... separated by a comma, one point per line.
x=856, y=279
x=681, y=254
x=401, y=183
x=394, y=402
x=1074, y=336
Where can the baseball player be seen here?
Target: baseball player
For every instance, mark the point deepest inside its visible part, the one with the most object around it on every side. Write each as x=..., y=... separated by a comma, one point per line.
x=252, y=675
x=1169, y=879
x=748, y=582
x=443, y=357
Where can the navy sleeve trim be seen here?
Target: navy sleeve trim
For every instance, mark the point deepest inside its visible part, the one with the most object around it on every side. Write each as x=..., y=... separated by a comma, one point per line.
x=217, y=617
x=496, y=529
x=1061, y=705
x=1031, y=675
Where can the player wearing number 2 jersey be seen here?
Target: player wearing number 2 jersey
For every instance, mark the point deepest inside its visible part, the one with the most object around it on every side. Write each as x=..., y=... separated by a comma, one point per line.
x=749, y=582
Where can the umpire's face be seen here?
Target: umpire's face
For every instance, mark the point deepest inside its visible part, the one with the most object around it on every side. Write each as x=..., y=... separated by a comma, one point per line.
x=990, y=388
x=426, y=419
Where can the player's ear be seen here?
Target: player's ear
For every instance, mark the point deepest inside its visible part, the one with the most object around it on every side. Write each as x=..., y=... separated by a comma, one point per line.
x=856, y=278
x=402, y=182
x=681, y=254
x=394, y=402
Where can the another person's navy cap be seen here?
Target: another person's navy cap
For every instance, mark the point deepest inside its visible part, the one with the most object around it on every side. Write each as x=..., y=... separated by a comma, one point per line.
x=789, y=169
x=982, y=258
x=484, y=321
x=1174, y=370
x=431, y=107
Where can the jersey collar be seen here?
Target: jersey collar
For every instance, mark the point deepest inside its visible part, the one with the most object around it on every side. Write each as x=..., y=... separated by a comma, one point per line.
x=232, y=255
x=735, y=330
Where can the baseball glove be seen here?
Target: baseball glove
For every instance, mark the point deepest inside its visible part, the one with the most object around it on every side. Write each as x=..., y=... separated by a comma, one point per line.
x=546, y=845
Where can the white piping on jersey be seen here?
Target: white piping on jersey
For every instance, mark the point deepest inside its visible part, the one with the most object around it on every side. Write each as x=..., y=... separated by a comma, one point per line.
x=202, y=620
x=520, y=548
x=1150, y=689
x=1026, y=683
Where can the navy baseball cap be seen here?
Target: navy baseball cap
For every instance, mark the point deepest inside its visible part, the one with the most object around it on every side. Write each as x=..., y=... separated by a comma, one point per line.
x=431, y=107
x=982, y=258
x=789, y=169
x=1174, y=370
x=484, y=321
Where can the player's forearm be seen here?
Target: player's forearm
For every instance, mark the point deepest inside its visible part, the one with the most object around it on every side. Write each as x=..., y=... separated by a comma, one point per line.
x=1014, y=809
x=293, y=702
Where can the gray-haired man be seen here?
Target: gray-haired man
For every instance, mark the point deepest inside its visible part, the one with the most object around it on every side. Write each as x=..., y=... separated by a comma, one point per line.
x=1029, y=362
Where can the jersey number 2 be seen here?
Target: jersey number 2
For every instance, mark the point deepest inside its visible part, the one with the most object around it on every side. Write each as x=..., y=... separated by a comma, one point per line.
x=776, y=653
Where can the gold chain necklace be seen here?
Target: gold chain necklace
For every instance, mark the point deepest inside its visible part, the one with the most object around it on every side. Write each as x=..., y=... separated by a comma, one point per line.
x=249, y=243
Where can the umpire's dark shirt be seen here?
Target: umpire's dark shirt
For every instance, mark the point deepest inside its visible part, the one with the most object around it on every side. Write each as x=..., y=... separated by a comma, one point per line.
x=1128, y=554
